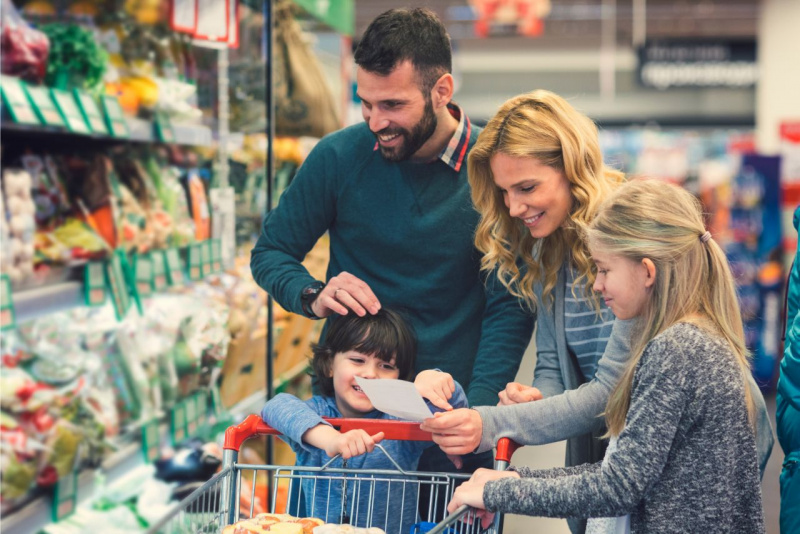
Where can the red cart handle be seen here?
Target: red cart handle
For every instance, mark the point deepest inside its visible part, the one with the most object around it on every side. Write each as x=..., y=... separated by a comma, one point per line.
x=253, y=425
x=506, y=447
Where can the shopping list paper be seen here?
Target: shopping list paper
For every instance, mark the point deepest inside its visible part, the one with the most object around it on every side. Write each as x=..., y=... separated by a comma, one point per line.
x=395, y=397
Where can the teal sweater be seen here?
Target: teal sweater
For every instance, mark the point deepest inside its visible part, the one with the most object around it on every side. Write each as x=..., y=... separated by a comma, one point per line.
x=406, y=229
x=788, y=398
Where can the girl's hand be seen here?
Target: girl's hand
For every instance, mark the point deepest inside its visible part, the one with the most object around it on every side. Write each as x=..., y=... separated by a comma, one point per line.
x=471, y=493
x=437, y=387
x=456, y=432
x=516, y=393
x=353, y=443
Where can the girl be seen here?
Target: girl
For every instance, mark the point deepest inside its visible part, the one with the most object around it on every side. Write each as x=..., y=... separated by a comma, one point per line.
x=682, y=456
x=374, y=346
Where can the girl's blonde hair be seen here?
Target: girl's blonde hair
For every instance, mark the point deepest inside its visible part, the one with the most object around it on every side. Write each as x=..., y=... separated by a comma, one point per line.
x=543, y=126
x=693, y=283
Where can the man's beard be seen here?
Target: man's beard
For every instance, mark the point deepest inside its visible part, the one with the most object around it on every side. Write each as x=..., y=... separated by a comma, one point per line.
x=412, y=141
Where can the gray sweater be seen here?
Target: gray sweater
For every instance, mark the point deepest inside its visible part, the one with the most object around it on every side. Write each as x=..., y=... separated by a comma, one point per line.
x=686, y=461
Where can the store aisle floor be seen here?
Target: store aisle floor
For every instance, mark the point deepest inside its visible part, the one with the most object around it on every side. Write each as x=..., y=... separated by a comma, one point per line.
x=552, y=455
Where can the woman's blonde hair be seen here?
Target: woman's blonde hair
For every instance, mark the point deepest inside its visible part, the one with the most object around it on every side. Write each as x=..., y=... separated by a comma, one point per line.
x=693, y=283
x=543, y=126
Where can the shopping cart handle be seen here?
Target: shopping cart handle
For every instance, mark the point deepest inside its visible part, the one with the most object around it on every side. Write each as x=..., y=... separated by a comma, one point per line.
x=506, y=447
x=253, y=425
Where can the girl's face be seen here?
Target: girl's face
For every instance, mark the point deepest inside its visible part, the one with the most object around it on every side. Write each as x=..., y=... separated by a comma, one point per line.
x=534, y=193
x=624, y=283
x=350, y=400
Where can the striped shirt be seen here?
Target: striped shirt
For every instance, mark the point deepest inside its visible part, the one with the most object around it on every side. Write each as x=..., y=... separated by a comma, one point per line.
x=454, y=153
x=587, y=333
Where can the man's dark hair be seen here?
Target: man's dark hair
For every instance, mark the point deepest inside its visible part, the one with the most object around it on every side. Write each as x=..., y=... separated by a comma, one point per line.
x=406, y=34
x=386, y=335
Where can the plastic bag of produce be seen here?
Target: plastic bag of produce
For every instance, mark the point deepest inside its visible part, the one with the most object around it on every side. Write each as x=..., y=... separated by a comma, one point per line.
x=24, y=49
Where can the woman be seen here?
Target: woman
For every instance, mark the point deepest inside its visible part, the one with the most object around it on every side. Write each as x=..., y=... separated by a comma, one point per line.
x=537, y=175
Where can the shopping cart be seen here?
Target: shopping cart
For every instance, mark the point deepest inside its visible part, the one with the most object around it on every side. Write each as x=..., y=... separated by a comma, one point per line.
x=345, y=495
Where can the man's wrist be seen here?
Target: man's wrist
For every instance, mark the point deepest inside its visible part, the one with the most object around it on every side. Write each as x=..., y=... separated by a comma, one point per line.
x=307, y=297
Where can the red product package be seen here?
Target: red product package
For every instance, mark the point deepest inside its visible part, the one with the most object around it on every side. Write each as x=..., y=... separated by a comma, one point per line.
x=24, y=49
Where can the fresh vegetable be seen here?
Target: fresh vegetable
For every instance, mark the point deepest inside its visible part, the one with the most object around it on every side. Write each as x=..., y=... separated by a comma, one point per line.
x=76, y=59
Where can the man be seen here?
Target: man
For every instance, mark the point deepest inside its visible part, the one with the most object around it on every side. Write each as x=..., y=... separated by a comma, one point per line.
x=394, y=197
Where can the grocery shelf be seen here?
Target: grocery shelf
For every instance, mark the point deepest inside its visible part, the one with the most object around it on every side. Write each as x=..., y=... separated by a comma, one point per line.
x=36, y=514
x=140, y=130
x=32, y=303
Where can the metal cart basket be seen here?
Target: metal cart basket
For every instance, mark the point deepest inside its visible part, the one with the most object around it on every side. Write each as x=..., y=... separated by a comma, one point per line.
x=356, y=496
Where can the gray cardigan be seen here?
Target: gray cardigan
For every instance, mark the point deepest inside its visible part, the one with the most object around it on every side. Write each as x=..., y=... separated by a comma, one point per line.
x=571, y=409
x=686, y=460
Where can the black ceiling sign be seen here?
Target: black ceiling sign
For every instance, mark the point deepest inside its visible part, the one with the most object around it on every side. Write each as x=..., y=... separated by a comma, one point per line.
x=665, y=64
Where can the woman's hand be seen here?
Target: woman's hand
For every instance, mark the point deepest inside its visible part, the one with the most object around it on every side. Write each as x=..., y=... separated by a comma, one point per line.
x=471, y=493
x=353, y=443
x=456, y=432
x=516, y=393
x=437, y=387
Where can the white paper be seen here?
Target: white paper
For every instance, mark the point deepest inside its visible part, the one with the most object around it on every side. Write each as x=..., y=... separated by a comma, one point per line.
x=395, y=397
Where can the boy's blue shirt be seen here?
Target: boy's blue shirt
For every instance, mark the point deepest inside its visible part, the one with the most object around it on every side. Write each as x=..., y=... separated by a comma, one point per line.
x=393, y=508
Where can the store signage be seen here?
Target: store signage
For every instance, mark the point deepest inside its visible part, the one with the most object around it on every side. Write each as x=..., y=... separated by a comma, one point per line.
x=177, y=423
x=195, y=261
x=65, y=499
x=16, y=101
x=164, y=129
x=115, y=118
x=44, y=105
x=69, y=109
x=677, y=63
x=159, y=270
x=92, y=113
x=174, y=267
x=117, y=284
x=143, y=269
x=7, y=317
x=94, y=283
x=151, y=440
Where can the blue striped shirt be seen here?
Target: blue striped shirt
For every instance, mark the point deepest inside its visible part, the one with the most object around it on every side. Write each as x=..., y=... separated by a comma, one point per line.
x=587, y=333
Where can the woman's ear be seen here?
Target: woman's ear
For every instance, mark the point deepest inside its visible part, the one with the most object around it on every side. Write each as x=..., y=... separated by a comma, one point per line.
x=650, y=269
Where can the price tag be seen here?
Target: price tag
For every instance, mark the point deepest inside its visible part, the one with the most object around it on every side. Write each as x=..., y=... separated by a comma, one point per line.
x=7, y=317
x=118, y=285
x=91, y=113
x=195, y=261
x=44, y=105
x=94, y=283
x=205, y=257
x=115, y=118
x=216, y=255
x=15, y=99
x=70, y=111
x=164, y=130
x=174, y=267
x=143, y=267
x=191, y=416
x=65, y=499
x=151, y=441
x=159, y=270
x=216, y=401
x=177, y=423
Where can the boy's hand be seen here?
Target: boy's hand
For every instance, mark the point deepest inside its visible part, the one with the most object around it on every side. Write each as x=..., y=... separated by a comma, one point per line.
x=353, y=443
x=437, y=387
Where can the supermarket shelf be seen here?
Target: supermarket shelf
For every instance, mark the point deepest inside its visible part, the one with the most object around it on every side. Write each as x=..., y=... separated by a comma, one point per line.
x=39, y=301
x=36, y=514
x=140, y=130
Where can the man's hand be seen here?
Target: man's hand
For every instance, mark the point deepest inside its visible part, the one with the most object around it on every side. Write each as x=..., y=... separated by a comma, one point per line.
x=353, y=443
x=456, y=432
x=516, y=393
x=345, y=292
x=471, y=493
x=437, y=387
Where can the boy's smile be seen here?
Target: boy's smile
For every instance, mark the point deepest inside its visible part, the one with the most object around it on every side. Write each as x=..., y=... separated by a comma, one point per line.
x=350, y=399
